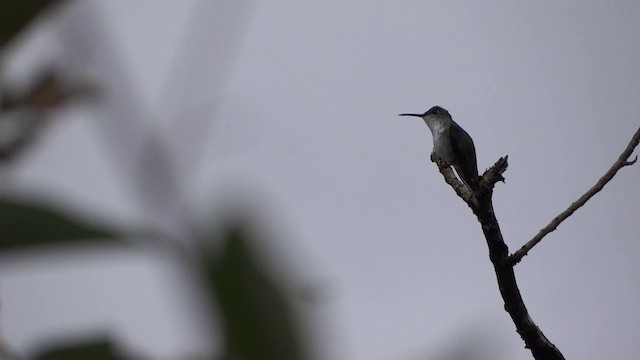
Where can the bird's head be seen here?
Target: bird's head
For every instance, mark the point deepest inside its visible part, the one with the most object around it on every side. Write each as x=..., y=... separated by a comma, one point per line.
x=435, y=112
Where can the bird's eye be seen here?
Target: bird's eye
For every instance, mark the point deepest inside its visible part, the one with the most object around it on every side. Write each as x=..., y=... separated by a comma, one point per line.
x=436, y=111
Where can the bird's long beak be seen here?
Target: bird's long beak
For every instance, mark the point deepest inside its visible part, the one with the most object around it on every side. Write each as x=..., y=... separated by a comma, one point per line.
x=417, y=115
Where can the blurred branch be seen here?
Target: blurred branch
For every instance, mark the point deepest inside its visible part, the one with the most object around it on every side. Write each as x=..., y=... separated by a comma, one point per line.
x=138, y=146
x=623, y=160
x=50, y=90
x=24, y=114
x=211, y=39
x=482, y=206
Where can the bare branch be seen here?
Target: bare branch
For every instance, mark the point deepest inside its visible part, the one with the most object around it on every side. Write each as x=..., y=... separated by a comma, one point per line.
x=482, y=207
x=487, y=181
x=494, y=174
x=481, y=204
x=451, y=179
x=619, y=164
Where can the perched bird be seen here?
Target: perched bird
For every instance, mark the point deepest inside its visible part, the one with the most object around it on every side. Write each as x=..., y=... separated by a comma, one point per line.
x=452, y=144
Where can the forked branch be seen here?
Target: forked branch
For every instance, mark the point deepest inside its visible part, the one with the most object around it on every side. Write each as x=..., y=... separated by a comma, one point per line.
x=481, y=204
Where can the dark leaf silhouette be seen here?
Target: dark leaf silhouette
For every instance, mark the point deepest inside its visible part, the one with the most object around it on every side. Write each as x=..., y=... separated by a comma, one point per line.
x=25, y=224
x=15, y=15
x=96, y=350
x=259, y=322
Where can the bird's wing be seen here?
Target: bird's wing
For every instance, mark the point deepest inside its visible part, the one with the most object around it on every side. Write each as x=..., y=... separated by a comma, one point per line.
x=465, y=153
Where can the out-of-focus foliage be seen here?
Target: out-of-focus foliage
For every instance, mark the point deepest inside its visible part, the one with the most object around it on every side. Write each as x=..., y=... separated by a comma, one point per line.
x=26, y=225
x=259, y=322
x=96, y=350
x=15, y=15
x=23, y=113
x=257, y=319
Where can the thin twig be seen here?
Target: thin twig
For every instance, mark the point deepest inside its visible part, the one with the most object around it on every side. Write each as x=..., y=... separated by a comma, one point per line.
x=619, y=164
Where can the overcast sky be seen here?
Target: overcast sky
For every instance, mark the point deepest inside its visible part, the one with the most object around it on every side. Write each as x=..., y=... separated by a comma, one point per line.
x=296, y=104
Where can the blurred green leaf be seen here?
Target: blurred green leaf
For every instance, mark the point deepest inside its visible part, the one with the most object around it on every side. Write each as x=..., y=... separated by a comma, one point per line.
x=259, y=321
x=27, y=224
x=97, y=350
x=15, y=15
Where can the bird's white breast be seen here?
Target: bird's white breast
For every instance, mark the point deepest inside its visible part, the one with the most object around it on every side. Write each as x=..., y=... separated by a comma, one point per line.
x=441, y=142
x=437, y=131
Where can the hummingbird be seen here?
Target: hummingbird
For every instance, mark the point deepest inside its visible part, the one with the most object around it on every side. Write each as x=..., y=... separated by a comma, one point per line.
x=452, y=144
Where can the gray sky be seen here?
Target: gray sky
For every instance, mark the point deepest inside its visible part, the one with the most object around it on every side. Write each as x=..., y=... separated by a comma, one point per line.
x=306, y=98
